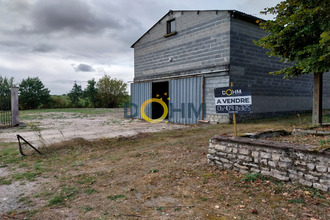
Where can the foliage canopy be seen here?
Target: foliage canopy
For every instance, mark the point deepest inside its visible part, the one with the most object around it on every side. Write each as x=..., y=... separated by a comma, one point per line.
x=33, y=94
x=299, y=34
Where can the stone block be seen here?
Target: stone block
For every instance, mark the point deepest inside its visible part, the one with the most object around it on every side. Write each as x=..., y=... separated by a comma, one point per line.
x=285, y=159
x=283, y=164
x=320, y=187
x=228, y=165
x=224, y=160
x=244, y=158
x=292, y=171
x=294, y=176
x=311, y=178
x=235, y=150
x=276, y=157
x=211, y=162
x=266, y=173
x=220, y=147
x=325, y=182
x=210, y=157
x=305, y=182
x=255, y=154
x=218, y=162
x=221, y=154
x=255, y=170
x=228, y=149
x=321, y=168
x=244, y=151
x=243, y=171
x=251, y=165
x=264, y=162
x=240, y=166
x=231, y=156
x=271, y=163
x=311, y=166
x=265, y=155
x=212, y=151
x=281, y=177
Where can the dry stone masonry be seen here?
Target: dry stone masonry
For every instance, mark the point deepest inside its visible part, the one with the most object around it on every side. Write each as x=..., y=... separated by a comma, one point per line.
x=287, y=162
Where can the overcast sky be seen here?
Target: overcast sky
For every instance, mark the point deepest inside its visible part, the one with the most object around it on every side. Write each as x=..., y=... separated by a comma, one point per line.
x=62, y=41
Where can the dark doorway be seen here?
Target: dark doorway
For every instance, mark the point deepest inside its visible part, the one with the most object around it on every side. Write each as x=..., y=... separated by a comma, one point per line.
x=159, y=91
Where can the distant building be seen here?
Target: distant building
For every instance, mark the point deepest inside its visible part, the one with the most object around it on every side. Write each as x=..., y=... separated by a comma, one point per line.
x=187, y=54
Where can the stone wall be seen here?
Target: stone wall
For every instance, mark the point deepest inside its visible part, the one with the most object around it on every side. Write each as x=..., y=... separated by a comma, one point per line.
x=287, y=162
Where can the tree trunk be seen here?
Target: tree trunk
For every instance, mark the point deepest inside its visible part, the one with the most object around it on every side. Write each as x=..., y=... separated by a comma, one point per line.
x=317, y=99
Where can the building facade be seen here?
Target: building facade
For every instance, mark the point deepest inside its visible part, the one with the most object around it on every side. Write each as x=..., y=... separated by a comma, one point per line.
x=187, y=54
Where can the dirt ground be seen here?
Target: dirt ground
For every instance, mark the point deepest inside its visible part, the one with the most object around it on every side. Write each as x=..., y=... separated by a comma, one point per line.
x=158, y=175
x=44, y=128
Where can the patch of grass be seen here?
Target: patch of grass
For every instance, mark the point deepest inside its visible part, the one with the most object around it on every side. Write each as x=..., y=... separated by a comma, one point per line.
x=4, y=181
x=30, y=176
x=160, y=208
x=88, y=208
x=153, y=171
x=8, y=155
x=298, y=201
x=248, y=177
x=88, y=180
x=90, y=191
x=65, y=194
x=325, y=142
x=115, y=197
x=56, y=200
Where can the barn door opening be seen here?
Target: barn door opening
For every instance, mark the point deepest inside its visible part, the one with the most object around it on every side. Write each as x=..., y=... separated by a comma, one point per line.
x=159, y=91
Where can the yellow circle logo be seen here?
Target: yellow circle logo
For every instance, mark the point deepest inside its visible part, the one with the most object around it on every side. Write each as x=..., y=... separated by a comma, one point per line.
x=145, y=117
x=229, y=92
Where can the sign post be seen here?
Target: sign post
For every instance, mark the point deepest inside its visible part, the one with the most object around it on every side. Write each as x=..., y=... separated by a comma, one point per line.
x=233, y=100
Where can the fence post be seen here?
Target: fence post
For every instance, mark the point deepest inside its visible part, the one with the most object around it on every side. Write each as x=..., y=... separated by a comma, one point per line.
x=14, y=106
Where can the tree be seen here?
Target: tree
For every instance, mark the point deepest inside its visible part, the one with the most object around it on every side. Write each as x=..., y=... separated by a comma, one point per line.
x=91, y=93
x=112, y=92
x=75, y=94
x=300, y=34
x=33, y=93
x=5, y=85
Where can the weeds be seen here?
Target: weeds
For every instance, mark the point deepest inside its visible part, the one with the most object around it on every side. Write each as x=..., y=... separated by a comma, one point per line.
x=88, y=209
x=115, y=197
x=252, y=177
x=30, y=176
x=65, y=194
x=153, y=171
x=90, y=191
x=325, y=142
x=298, y=201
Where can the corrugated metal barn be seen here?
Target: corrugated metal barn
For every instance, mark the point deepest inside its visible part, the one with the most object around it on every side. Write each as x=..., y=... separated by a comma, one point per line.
x=186, y=54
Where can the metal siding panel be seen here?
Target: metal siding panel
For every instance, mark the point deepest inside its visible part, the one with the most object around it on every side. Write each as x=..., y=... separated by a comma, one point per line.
x=185, y=90
x=140, y=93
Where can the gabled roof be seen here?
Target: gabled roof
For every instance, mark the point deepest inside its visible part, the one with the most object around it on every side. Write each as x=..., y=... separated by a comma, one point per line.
x=234, y=13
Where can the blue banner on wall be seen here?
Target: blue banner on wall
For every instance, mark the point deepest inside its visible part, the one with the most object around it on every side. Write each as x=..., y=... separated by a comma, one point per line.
x=231, y=100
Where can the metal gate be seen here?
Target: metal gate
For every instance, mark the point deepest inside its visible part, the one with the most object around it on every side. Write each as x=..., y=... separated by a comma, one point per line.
x=5, y=108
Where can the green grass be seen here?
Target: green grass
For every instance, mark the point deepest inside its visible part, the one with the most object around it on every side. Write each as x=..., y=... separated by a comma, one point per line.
x=115, y=197
x=324, y=142
x=90, y=191
x=297, y=201
x=30, y=176
x=65, y=194
x=248, y=177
